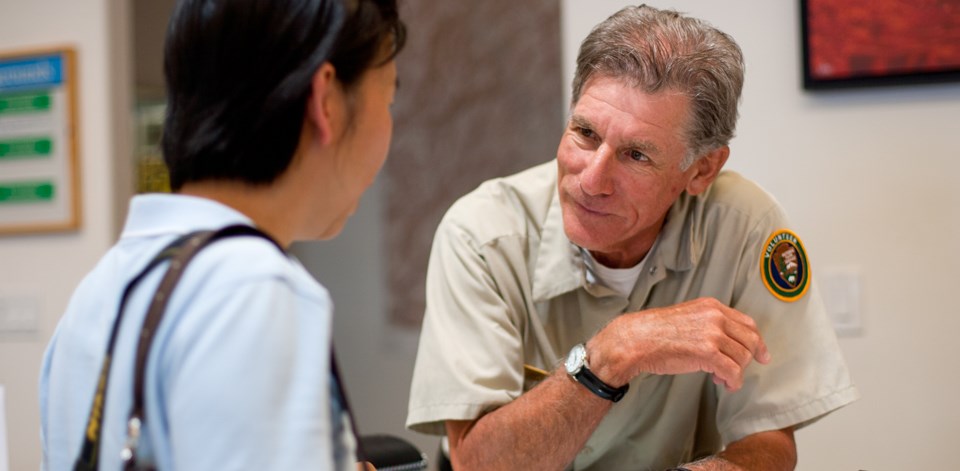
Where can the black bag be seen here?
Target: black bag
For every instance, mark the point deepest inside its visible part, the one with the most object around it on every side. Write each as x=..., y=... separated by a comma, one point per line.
x=390, y=453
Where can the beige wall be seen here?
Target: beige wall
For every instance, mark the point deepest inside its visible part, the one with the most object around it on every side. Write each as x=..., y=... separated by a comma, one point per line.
x=459, y=122
x=46, y=267
x=868, y=178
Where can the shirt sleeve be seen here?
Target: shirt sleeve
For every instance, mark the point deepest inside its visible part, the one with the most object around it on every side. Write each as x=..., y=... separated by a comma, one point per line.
x=470, y=358
x=807, y=377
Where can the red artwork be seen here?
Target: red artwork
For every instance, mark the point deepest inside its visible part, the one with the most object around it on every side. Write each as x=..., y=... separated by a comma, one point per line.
x=875, y=38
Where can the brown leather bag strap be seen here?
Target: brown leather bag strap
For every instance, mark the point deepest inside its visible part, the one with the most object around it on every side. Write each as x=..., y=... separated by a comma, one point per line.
x=161, y=298
x=89, y=456
x=158, y=305
x=90, y=450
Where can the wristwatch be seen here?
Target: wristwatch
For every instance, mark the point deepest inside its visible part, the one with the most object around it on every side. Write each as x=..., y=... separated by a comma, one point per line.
x=576, y=365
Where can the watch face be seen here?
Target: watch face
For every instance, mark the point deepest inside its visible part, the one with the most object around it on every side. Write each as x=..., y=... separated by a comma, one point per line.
x=576, y=359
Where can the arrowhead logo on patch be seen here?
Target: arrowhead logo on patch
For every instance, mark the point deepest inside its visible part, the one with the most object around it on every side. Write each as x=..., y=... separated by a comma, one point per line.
x=784, y=267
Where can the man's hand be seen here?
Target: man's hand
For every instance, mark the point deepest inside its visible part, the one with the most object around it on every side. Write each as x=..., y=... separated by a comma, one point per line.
x=699, y=335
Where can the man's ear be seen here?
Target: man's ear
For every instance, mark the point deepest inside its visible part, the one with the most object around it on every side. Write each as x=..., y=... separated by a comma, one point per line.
x=323, y=106
x=706, y=169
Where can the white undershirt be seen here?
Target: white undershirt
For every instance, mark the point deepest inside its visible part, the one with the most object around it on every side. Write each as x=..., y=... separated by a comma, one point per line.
x=621, y=280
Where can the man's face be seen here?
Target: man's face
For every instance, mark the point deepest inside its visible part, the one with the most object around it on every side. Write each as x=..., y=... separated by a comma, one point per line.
x=619, y=168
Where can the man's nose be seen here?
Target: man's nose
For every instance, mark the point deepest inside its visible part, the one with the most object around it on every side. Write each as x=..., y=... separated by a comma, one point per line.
x=596, y=178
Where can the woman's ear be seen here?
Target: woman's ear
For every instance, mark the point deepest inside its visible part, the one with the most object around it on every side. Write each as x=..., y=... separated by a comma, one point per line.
x=324, y=105
x=706, y=169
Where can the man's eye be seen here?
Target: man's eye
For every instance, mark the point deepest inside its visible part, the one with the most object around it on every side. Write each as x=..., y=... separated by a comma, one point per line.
x=586, y=132
x=637, y=155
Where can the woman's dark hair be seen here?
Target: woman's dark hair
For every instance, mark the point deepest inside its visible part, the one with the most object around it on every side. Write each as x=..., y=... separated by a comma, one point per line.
x=239, y=73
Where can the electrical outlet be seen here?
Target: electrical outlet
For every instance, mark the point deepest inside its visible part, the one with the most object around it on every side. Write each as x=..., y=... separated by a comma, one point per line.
x=18, y=315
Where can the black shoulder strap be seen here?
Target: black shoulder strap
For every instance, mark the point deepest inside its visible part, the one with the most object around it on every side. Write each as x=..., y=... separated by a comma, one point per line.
x=180, y=252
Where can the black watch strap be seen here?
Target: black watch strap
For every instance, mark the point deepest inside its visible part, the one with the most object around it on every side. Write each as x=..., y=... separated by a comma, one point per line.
x=598, y=387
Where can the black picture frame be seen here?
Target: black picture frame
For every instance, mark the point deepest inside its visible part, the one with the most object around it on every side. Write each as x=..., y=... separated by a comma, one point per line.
x=833, y=34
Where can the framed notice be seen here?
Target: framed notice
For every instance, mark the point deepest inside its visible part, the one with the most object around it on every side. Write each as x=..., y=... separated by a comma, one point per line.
x=39, y=180
x=857, y=43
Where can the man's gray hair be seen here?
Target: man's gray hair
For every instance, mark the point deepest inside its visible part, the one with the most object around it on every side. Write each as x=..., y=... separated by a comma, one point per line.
x=662, y=50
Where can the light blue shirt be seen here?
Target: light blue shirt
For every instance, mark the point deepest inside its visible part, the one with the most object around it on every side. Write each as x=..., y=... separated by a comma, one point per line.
x=238, y=376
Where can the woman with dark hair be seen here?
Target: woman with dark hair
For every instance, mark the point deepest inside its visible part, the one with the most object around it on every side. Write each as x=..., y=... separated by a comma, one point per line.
x=278, y=120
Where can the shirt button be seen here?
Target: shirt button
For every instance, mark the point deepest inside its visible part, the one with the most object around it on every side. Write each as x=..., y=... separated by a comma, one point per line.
x=586, y=450
x=653, y=269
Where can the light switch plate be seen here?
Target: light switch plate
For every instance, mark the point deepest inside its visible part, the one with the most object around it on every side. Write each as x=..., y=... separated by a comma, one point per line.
x=840, y=287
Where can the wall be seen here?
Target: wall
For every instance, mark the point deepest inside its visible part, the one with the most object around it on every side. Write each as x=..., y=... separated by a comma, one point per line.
x=868, y=178
x=458, y=122
x=46, y=267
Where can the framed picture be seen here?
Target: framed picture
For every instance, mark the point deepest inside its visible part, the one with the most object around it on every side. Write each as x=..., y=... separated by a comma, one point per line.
x=39, y=181
x=854, y=43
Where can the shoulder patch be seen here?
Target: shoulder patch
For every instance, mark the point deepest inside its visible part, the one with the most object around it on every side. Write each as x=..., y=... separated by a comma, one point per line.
x=784, y=267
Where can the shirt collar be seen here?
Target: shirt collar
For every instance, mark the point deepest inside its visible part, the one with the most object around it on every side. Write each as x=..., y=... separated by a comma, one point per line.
x=164, y=214
x=678, y=249
x=560, y=266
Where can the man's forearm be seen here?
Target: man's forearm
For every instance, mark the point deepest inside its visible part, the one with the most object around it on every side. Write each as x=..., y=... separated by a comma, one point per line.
x=775, y=450
x=544, y=428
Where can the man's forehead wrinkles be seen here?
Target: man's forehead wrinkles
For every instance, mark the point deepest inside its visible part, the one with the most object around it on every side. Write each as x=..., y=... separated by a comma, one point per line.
x=624, y=142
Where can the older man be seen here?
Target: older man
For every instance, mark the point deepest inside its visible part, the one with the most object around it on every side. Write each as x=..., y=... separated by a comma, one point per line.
x=641, y=282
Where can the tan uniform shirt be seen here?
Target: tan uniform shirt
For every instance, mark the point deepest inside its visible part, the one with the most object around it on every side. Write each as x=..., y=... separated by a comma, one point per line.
x=505, y=287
